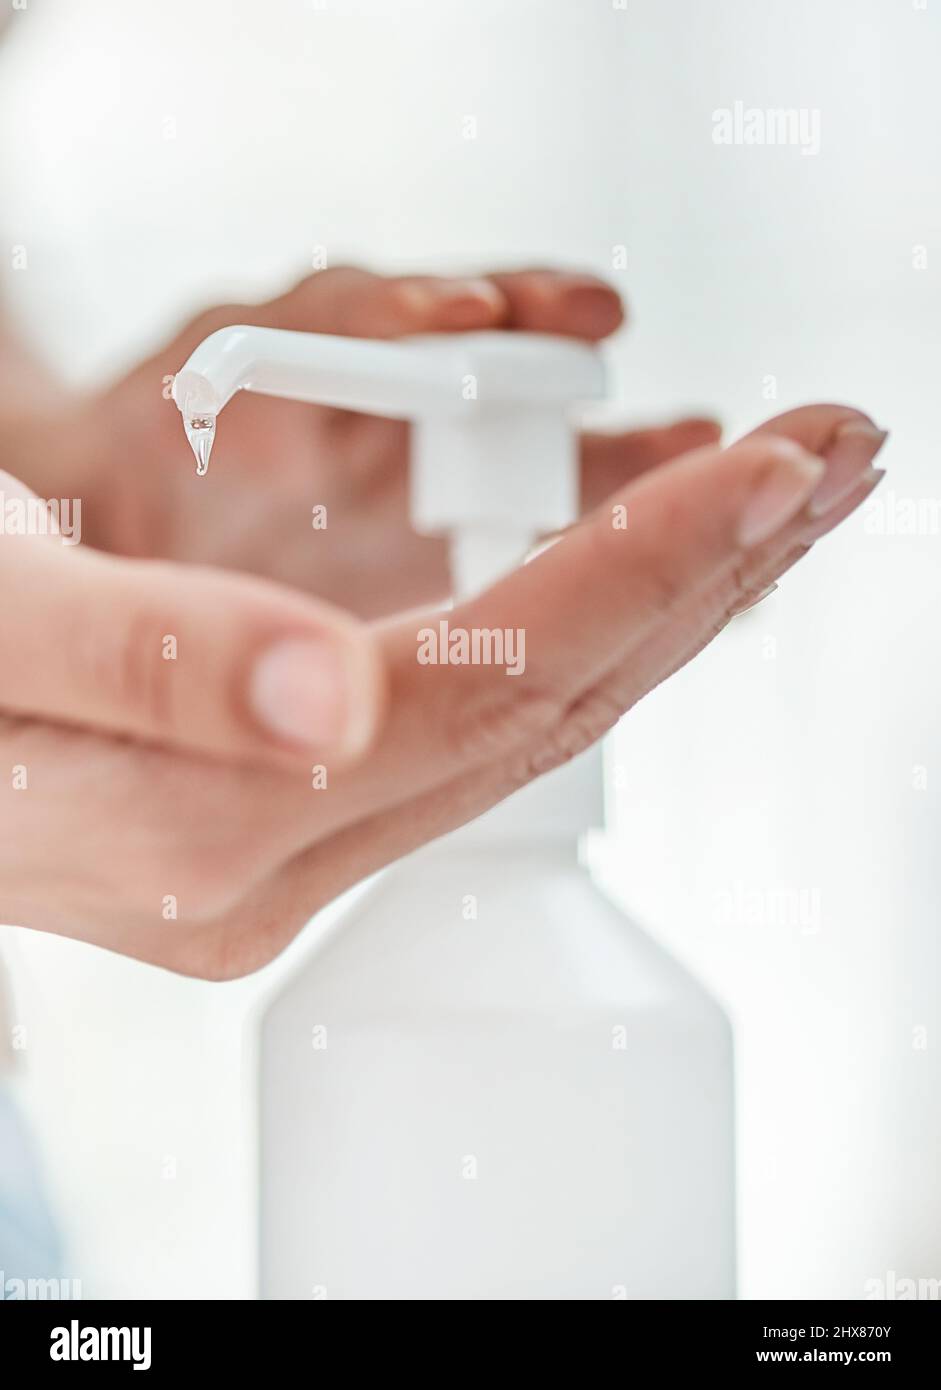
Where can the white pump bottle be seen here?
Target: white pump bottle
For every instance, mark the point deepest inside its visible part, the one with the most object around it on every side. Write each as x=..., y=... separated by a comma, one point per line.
x=481, y=1081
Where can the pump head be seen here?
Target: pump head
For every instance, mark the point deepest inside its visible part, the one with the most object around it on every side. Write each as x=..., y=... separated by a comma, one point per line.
x=494, y=461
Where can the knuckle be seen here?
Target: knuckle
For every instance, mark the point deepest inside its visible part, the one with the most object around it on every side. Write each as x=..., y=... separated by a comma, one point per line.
x=656, y=577
x=662, y=590
x=588, y=720
x=500, y=720
x=219, y=316
x=742, y=575
x=137, y=676
x=330, y=294
x=715, y=607
x=120, y=675
x=399, y=301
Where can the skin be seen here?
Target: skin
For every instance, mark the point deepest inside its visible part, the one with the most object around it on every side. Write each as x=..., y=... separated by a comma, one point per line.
x=149, y=778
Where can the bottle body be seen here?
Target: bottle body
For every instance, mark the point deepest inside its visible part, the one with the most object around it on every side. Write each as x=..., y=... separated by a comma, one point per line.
x=487, y=1083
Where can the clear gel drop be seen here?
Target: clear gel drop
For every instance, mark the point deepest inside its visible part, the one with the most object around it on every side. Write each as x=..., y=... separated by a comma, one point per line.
x=201, y=431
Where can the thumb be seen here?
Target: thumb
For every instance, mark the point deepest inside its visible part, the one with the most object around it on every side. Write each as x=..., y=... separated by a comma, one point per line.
x=194, y=657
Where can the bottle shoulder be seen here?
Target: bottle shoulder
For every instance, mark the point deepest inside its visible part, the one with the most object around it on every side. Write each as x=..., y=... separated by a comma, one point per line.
x=509, y=930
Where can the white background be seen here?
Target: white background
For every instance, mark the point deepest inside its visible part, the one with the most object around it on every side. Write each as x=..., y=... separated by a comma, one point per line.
x=771, y=822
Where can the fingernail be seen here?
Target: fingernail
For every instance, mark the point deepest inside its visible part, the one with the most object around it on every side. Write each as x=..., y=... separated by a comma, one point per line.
x=754, y=602
x=792, y=479
x=298, y=691
x=465, y=303
x=841, y=509
x=591, y=311
x=852, y=449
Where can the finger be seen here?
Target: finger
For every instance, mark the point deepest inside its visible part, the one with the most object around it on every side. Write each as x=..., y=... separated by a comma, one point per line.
x=360, y=304
x=713, y=522
x=631, y=563
x=767, y=575
x=608, y=461
x=191, y=657
x=705, y=613
x=551, y=301
x=848, y=438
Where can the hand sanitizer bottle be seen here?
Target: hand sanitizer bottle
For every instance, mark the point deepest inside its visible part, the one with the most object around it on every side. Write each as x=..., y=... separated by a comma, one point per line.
x=480, y=1081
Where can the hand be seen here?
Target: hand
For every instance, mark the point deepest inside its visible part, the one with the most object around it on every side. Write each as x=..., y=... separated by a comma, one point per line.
x=209, y=862
x=124, y=449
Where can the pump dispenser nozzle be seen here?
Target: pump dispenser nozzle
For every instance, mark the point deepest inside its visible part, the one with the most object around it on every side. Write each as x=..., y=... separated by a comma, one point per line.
x=493, y=451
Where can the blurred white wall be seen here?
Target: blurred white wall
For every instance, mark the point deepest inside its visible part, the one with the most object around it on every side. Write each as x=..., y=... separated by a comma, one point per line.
x=777, y=802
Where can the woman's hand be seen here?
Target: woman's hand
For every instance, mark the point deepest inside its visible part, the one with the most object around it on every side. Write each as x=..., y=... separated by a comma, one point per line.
x=176, y=809
x=125, y=452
